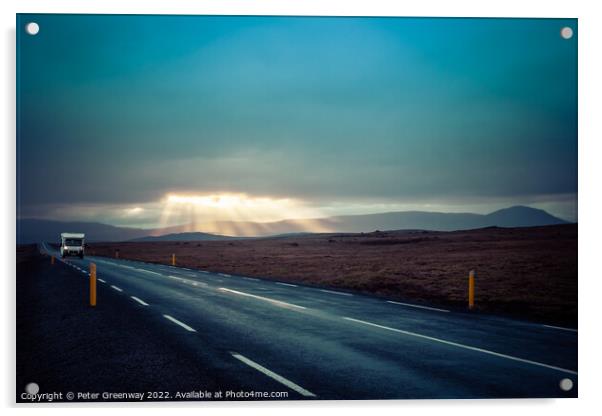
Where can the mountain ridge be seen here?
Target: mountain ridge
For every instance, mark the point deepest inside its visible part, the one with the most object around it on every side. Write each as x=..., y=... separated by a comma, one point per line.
x=34, y=230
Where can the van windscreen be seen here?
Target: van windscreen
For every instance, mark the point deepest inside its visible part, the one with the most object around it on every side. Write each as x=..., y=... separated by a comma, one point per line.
x=73, y=242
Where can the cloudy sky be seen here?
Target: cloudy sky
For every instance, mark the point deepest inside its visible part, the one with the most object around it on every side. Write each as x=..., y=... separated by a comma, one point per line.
x=159, y=120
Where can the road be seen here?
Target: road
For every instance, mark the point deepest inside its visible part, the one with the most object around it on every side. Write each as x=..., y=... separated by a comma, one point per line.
x=328, y=344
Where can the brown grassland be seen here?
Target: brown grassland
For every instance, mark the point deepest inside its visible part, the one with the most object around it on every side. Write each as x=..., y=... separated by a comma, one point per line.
x=528, y=273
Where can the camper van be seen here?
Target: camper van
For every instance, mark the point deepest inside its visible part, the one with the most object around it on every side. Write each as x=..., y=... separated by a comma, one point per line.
x=72, y=244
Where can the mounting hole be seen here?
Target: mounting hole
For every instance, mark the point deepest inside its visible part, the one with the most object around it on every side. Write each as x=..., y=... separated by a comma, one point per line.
x=32, y=388
x=32, y=28
x=566, y=32
x=566, y=384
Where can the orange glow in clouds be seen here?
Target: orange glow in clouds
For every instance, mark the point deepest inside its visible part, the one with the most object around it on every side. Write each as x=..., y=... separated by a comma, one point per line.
x=233, y=213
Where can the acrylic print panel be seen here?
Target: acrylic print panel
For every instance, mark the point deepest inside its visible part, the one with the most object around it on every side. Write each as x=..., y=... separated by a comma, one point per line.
x=295, y=208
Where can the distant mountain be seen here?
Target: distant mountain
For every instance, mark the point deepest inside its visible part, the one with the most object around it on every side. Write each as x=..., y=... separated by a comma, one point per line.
x=35, y=230
x=30, y=230
x=518, y=216
x=188, y=236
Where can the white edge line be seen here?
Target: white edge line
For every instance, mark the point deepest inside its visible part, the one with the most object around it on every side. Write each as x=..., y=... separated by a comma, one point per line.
x=225, y=275
x=274, y=301
x=417, y=306
x=117, y=288
x=100, y=280
x=335, y=293
x=467, y=347
x=182, y=324
x=140, y=301
x=251, y=278
x=561, y=328
x=273, y=375
x=286, y=284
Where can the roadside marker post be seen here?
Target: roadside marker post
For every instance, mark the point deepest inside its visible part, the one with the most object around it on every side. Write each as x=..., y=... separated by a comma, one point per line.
x=173, y=259
x=51, y=259
x=471, y=289
x=117, y=253
x=92, y=284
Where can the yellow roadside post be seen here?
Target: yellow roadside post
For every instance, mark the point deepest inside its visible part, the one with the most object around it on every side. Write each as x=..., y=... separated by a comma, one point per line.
x=117, y=253
x=471, y=289
x=51, y=259
x=92, y=284
x=173, y=259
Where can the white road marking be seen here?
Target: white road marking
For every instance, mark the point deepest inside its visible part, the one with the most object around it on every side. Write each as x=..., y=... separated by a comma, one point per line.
x=117, y=288
x=418, y=306
x=182, y=324
x=224, y=274
x=84, y=272
x=251, y=278
x=274, y=301
x=286, y=284
x=273, y=375
x=148, y=271
x=140, y=301
x=335, y=293
x=561, y=328
x=100, y=280
x=467, y=347
x=187, y=281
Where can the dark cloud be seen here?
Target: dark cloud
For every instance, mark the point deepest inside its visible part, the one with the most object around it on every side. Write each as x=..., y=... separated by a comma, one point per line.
x=112, y=111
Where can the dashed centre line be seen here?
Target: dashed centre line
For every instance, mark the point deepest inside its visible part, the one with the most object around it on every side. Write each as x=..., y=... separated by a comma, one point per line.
x=274, y=301
x=272, y=375
x=335, y=293
x=117, y=288
x=140, y=301
x=180, y=323
x=149, y=271
x=187, y=281
x=286, y=284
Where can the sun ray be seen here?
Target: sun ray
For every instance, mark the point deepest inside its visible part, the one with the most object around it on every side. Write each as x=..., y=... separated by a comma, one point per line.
x=235, y=213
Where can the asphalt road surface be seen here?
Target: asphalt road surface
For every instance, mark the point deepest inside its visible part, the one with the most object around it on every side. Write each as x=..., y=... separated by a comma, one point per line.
x=300, y=342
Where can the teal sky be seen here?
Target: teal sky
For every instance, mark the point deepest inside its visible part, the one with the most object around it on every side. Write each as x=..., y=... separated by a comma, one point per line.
x=344, y=115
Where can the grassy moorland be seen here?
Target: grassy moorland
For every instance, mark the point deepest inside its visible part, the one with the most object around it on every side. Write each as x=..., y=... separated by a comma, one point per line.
x=523, y=272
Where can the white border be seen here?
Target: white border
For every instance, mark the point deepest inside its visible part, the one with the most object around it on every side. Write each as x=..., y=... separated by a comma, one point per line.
x=590, y=176
x=508, y=8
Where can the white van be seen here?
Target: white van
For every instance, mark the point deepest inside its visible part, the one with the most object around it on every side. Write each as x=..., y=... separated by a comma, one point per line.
x=72, y=244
